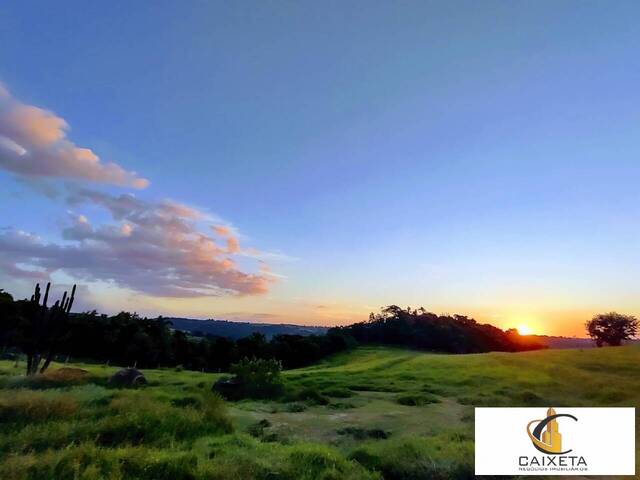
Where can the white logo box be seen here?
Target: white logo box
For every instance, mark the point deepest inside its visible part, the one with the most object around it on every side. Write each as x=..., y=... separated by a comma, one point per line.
x=601, y=440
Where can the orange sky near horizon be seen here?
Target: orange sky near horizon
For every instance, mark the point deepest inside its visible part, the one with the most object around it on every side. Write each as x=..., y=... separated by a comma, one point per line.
x=567, y=322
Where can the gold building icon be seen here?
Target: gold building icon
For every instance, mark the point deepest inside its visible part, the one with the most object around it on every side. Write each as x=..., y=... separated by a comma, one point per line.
x=551, y=440
x=551, y=436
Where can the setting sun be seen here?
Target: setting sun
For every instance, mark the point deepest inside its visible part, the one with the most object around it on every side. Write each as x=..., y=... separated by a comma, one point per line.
x=524, y=330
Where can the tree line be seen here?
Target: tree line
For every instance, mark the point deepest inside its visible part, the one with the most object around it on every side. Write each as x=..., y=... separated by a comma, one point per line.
x=130, y=340
x=44, y=332
x=420, y=329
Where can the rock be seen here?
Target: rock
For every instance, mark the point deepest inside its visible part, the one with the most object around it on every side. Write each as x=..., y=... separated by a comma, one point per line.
x=128, y=377
x=228, y=387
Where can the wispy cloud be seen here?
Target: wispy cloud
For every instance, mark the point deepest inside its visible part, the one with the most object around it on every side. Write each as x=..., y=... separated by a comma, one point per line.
x=34, y=143
x=160, y=248
x=154, y=248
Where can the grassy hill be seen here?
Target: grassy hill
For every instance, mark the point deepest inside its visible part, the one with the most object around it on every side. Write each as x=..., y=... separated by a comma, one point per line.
x=368, y=414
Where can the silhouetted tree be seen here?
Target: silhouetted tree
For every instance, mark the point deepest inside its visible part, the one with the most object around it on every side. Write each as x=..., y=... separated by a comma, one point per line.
x=420, y=329
x=5, y=297
x=612, y=328
x=40, y=329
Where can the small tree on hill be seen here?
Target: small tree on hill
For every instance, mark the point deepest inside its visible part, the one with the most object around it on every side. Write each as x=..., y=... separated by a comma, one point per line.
x=254, y=378
x=612, y=328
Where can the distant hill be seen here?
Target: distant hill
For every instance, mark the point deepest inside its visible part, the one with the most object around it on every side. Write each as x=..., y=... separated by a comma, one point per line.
x=568, y=342
x=235, y=330
x=563, y=342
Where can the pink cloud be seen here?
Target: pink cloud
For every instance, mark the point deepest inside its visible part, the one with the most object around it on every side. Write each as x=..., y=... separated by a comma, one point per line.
x=160, y=248
x=221, y=230
x=33, y=143
x=233, y=246
x=155, y=248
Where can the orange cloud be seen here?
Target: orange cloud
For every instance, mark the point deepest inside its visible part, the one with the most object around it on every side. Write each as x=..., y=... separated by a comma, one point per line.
x=233, y=246
x=154, y=248
x=221, y=230
x=33, y=143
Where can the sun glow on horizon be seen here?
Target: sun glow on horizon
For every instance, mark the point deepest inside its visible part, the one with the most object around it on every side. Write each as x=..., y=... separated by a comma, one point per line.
x=524, y=330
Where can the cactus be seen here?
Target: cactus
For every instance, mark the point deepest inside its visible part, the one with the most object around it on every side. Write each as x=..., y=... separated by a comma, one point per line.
x=46, y=324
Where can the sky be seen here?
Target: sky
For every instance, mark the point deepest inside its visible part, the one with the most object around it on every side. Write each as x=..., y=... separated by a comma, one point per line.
x=311, y=162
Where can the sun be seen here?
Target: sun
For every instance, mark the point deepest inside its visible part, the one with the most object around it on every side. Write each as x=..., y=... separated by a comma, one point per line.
x=524, y=330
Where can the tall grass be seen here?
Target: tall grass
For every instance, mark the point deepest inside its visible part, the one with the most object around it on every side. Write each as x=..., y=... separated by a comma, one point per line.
x=443, y=457
x=24, y=407
x=229, y=457
x=73, y=425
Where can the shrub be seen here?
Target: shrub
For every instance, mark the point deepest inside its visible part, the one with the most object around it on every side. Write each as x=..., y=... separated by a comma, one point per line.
x=363, y=433
x=254, y=378
x=257, y=429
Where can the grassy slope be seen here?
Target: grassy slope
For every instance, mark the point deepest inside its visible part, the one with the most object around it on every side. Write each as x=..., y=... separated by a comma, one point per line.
x=430, y=440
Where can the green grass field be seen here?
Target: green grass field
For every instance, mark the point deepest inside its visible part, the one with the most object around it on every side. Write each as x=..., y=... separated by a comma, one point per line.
x=368, y=414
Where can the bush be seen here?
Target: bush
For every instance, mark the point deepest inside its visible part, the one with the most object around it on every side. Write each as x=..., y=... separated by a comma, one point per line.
x=363, y=433
x=254, y=378
x=257, y=429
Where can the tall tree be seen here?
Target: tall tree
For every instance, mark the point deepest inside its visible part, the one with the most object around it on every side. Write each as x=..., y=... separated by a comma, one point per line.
x=612, y=328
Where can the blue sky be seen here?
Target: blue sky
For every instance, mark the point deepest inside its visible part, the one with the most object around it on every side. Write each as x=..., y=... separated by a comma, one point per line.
x=472, y=157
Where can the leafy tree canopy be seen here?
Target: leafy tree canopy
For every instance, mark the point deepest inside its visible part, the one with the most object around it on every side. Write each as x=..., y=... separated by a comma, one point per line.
x=612, y=328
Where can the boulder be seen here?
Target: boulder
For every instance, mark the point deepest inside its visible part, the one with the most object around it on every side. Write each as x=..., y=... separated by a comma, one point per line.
x=128, y=377
x=229, y=387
